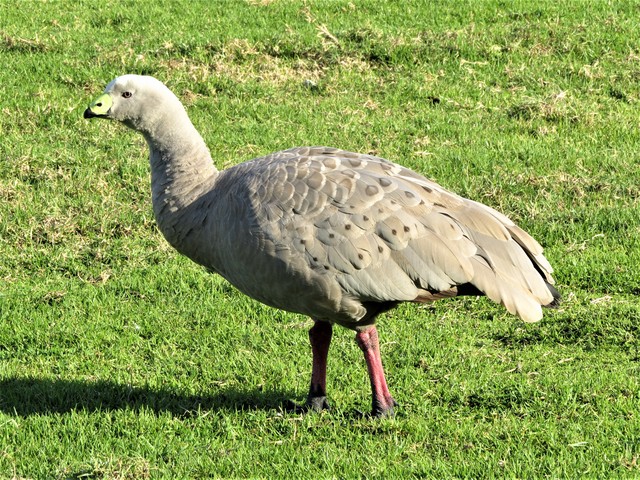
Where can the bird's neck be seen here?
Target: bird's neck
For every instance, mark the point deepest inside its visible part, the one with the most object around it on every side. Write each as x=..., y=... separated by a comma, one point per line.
x=182, y=171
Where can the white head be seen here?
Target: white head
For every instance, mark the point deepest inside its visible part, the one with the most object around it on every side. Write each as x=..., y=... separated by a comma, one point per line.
x=138, y=101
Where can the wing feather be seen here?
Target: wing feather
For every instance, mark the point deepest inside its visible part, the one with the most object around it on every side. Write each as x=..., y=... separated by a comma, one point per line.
x=386, y=233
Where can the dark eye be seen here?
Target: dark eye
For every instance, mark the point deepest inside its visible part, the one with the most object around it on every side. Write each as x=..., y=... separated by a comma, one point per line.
x=126, y=94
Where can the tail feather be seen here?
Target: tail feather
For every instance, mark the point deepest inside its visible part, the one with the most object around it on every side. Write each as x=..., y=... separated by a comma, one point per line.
x=557, y=298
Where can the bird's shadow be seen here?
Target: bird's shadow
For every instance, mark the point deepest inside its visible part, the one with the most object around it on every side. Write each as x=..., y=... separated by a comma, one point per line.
x=34, y=396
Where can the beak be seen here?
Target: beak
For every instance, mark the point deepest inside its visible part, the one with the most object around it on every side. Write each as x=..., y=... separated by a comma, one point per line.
x=100, y=107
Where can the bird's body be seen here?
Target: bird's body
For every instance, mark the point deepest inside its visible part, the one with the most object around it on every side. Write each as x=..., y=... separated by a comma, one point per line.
x=335, y=235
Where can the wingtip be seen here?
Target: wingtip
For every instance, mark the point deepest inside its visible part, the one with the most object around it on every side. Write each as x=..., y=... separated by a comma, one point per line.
x=557, y=298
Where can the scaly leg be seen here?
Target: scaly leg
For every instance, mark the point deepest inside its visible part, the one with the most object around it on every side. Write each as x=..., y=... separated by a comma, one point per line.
x=320, y=339
x=382, y=402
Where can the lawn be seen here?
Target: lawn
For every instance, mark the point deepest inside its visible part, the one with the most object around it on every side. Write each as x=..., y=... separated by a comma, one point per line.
x=120, y=359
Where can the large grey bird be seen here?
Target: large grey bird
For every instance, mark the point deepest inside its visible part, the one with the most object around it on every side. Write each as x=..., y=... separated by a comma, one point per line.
x=335, y=235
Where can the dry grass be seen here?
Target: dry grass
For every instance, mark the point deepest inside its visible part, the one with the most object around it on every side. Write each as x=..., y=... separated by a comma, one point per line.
x=111, y=469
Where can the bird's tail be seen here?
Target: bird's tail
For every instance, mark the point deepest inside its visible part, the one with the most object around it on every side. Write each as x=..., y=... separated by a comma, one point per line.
x=555, y=303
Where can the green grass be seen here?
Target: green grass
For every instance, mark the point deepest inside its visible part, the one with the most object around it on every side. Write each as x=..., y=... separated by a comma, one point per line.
x=120, y=359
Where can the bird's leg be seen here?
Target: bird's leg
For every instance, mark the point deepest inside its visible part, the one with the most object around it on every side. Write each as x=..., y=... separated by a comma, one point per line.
x=320, y=338
x=382, y=401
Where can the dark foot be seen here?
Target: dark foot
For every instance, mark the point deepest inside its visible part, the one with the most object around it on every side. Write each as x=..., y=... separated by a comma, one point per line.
x=379, y=410
x=384, y=409
x=317, y=403
x=313, y=404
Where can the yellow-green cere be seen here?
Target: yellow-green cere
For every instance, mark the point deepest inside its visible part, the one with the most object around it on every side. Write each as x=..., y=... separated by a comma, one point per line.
x=101, y=105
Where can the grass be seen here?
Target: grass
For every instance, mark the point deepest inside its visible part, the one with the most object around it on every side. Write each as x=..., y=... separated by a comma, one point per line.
x=120, y=359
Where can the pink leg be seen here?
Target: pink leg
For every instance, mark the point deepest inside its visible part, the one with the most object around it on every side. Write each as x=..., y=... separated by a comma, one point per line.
x=382, y=401
x=320, y=338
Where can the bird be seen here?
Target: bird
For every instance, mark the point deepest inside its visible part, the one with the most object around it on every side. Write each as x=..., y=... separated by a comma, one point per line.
x=338, y=236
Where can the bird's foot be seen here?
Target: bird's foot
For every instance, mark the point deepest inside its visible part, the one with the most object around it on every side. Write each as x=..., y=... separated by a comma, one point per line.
x=383, y=408
x=378, y=410
x=314, y=404
x=317, y=404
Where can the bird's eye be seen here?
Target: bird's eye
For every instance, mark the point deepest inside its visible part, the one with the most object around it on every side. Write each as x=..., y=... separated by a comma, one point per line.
x=126, y=94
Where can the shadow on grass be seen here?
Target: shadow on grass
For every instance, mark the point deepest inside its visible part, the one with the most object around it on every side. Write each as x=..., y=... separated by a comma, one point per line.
x=589, y=332
x=33, y=396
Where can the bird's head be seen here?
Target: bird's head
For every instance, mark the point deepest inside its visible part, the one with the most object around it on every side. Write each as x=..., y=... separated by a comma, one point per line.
x=138, y=101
